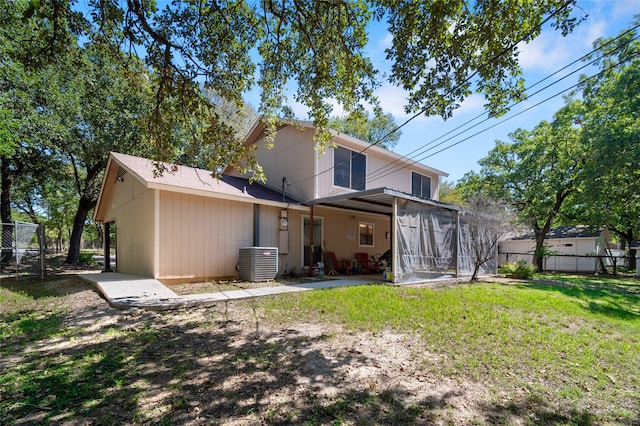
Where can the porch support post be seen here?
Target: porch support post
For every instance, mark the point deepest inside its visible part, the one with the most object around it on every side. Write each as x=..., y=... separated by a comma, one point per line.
x=394, y=246
x=106, y=226
x=457, y=243
x=311, y=241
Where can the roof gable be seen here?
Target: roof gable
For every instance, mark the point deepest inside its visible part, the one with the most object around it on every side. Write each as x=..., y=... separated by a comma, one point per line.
x=183, y=179
x=257, y=132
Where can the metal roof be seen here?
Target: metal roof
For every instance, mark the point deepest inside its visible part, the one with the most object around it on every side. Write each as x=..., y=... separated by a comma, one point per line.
x=377, y=200
x=560, y=232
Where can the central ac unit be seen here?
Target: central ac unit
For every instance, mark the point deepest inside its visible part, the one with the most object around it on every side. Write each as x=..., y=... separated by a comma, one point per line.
x=258, y=263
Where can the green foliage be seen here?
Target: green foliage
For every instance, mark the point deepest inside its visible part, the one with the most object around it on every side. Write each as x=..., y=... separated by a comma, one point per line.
x=450, y=193
x=379, y=129
x=611, y=123
x=86, y=258
x=439, y=49
x=536, y=172
x=520, y=269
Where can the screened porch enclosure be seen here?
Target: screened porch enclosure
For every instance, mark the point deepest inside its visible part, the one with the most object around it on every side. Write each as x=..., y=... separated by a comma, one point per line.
x=430, y=240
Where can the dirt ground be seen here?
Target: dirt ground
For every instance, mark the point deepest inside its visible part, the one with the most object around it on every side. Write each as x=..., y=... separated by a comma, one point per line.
x=229, y=365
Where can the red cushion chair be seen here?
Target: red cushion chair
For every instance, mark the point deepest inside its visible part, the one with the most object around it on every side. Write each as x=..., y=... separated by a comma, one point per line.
x=336, y=265
x=366, y=264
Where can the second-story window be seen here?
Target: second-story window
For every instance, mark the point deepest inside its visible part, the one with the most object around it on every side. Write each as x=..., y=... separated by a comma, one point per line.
x=420, y=185
x=349, y=168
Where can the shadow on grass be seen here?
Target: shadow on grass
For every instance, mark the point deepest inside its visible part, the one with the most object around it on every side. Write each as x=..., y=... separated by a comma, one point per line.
x=614, y=298
x=37, y=288
x=155, y=369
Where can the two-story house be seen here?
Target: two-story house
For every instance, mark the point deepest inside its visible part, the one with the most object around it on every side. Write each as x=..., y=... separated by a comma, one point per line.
x=184, y=225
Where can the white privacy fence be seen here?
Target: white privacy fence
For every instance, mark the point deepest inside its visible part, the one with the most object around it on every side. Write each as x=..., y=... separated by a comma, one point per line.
x=22, y=251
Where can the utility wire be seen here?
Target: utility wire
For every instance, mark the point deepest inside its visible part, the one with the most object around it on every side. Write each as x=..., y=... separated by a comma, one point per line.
x=536, y=105
x=379, y=173
x=423, y=149
x=468, y=79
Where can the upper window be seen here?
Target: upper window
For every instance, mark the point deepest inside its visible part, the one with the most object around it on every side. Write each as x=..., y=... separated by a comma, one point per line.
x=349, y=168
x=420, y=185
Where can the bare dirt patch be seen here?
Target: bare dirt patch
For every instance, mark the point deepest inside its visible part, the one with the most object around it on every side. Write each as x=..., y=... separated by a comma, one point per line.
x=230, y=365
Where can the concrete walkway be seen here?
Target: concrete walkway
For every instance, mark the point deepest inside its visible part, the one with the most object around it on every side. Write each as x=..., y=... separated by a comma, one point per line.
x=129, y=291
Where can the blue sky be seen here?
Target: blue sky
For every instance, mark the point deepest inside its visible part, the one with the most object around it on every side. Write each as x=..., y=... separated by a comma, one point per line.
x=540, y=58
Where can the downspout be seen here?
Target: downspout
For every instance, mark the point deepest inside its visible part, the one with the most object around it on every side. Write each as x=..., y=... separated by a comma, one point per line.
x=394, y=254
x=256, y=225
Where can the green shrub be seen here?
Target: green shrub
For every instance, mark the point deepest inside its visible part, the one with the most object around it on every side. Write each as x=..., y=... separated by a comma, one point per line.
x=520, y=269
x=86, y=258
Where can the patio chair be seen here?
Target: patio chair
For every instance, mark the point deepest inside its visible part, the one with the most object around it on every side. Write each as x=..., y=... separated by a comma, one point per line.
x=336, y=265
x=366, y=264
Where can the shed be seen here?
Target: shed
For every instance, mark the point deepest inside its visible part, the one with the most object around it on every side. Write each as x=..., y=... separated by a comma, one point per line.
x=579, y=248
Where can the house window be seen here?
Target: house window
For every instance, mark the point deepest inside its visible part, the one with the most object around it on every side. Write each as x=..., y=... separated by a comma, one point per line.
x=349, y=168
x=365, y=231
x=420, y=185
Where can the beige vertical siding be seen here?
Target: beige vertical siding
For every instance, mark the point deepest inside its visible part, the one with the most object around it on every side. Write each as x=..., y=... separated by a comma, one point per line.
x=293, y=157
x=269, y=226
x=341, y=232
x=381, y=173
x=131, y=206
x=293, y=259
x=200, y=237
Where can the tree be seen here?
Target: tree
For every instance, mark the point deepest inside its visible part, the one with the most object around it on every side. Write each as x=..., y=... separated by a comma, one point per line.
x=611, y=127
x=450, y=193
x=379, y=130
x=440, y=51
x=108, y=112
x=482, y=224
x=535, y=173
x=236, y=121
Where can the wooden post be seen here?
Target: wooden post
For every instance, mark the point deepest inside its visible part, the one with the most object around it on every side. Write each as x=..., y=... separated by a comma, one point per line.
x=106, y=243
x=311, y=242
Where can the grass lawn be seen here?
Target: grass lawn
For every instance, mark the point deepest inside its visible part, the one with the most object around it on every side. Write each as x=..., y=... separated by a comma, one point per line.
x=554, y=350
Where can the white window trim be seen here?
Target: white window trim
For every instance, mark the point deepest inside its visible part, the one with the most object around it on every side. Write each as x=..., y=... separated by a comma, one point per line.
x=423, y=175
x=333, y=165
x=373, y=234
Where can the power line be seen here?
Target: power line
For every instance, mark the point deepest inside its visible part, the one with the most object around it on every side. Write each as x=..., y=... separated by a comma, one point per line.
x=536, y=105
x=379, y=173
x=467, y=80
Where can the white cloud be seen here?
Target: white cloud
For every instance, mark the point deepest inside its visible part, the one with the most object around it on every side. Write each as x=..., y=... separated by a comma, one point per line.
x=550, y=50
x=545, y=53
x=386, y=41
x=472, y=104
x=392, y=99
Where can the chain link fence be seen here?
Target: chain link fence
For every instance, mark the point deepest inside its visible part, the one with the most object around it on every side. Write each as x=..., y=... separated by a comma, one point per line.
x=22, y=252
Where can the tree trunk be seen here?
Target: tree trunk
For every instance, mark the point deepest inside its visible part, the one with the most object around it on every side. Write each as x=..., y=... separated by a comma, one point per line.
x=5, y=209
x=541, y=233
x=476, y=269
x=84, y=207
x=538, y=254
x=630, y=262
